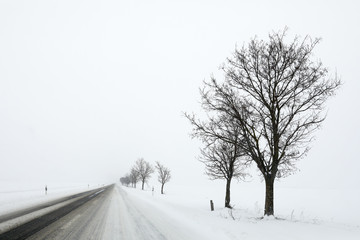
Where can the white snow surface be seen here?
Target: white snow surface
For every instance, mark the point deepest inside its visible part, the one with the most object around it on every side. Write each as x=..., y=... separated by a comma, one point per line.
x=183, y=212
x=17, y=196
x=187, y=210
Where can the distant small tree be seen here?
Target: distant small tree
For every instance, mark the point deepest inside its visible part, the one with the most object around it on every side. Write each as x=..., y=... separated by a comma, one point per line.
x=125, y=180
x=134, y=177
x=144, y=170
x=122, y=180
x=164, y=175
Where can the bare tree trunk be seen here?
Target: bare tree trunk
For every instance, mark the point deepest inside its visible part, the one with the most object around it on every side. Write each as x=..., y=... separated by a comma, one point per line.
x=142, y=186
x=162, y=188
x=269, y=196
x=227, y=194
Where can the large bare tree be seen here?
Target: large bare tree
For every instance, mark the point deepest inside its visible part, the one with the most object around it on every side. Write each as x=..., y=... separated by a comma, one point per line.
x=164, y=175
x=221, y=153
x=144, y=170
x=277, y=94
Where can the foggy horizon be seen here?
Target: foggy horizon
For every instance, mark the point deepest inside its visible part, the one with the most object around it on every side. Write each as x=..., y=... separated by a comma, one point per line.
x=88, y=87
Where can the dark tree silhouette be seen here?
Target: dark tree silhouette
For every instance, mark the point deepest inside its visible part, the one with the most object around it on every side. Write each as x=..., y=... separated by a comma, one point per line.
x=125, y=180
x=277, y=95
x=134, y=177
x=144, y=170
x=164, y=175
x=222, y=152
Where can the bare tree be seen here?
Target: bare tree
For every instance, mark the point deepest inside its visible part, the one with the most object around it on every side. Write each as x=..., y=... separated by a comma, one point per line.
x=125, y=180
x=164, y=175
x=144, y=170
x=134, y=177
x=222, y=152
x=277, y=94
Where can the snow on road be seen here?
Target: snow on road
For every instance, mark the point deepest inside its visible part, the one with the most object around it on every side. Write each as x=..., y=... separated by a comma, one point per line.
x=117, y=214
x=133, y=217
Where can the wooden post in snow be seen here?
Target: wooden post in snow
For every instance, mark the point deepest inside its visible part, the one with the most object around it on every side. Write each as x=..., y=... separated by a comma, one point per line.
x=211, y=205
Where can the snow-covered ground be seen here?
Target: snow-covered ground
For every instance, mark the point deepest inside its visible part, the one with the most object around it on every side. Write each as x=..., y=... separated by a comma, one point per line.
x=16, y=195
x=300, y=213
x=184, y=211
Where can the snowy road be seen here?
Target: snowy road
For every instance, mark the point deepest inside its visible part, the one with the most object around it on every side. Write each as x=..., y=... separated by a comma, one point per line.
x=115, y=215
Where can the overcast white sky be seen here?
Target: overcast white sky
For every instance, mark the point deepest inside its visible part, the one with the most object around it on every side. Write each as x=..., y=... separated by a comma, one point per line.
x=87, y=87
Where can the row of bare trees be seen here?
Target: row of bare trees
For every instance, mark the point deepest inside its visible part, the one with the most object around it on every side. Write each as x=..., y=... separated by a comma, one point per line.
x=265, y=111
x=142, y=170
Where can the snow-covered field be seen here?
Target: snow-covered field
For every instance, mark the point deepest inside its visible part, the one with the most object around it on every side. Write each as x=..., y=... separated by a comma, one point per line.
x=184, y=211
x=300, y=213
x=15, y=196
